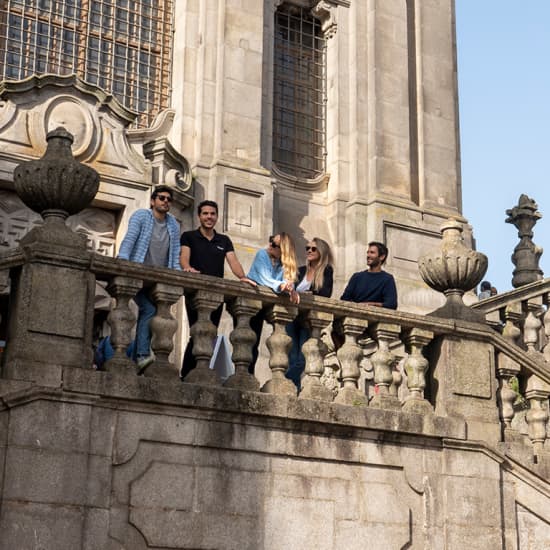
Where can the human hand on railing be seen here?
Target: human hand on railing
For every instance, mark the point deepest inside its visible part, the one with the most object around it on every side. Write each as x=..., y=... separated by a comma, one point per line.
x=286, y=287
x=248, y=281
x=190, y=269
x=294, y=297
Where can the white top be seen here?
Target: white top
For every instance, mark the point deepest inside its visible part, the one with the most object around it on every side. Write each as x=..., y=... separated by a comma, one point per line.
x=304, y=285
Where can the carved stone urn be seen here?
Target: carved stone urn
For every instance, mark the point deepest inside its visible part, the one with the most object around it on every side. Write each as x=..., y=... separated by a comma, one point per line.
x=526, y=254
x=453, y=270
x=56, y=186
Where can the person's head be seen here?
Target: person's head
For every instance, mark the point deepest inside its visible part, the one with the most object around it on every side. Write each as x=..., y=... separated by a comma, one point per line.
x=161, y=198
x=208, y=214
x=281, y=247
x=485, y=285
x=494, y=291
x=376, y=255
x=318, y=256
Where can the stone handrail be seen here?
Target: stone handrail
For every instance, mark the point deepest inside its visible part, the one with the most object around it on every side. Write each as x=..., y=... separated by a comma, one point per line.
x=523, y=293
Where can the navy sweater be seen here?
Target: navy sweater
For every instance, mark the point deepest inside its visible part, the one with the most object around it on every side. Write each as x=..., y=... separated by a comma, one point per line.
x=367, y=286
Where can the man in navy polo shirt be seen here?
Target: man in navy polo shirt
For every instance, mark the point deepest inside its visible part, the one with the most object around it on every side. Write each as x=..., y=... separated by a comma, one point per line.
x=205, y=251
x=373, y=287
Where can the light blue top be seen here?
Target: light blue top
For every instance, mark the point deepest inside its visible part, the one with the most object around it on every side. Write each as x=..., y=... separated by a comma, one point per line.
x=135, y=244
x=264, y=272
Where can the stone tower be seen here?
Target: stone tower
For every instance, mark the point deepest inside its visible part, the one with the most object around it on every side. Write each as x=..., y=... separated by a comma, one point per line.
x=328, y=118
x=391, y=162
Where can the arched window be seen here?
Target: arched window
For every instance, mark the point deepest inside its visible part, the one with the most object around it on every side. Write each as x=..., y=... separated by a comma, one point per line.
x=299, y=93
x=122, y=46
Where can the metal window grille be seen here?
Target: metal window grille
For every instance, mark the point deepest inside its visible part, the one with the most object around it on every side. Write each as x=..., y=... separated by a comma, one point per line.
x=122, y=46
x=299, y=98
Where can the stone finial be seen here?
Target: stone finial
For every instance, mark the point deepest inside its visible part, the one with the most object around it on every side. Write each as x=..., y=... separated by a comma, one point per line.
x=526, y=254
x=56, y=185
x=453, y=270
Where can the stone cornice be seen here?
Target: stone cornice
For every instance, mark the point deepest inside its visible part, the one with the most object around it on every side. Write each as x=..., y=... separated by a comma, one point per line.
x=11, y=87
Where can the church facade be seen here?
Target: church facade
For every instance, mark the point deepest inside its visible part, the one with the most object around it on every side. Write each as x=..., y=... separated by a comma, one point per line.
x=323, y=118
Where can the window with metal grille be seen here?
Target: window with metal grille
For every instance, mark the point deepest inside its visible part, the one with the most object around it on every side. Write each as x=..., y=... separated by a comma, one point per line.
x=122, y=46
x=299, y=93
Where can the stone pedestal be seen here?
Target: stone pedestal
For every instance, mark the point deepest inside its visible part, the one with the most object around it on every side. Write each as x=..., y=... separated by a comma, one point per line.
x=51, y=317
x=464, y=385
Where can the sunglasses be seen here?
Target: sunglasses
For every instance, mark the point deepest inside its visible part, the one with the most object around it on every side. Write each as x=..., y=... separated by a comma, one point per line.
x=164, y=198
x=311, y=249
x=272, y=244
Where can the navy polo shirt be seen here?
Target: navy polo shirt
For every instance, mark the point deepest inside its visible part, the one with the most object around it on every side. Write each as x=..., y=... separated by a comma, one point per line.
x=208, y=257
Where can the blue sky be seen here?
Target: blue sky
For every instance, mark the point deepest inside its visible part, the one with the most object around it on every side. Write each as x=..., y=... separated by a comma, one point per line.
x=504, y=99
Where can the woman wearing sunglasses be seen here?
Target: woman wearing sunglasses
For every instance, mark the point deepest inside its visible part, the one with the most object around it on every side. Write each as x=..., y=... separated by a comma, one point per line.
x=316, y=277
x=275, y=267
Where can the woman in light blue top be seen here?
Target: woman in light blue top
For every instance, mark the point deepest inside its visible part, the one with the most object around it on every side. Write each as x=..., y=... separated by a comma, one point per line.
x=275, y=267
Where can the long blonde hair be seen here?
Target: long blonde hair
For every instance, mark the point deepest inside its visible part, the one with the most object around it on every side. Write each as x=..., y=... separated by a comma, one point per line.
x=325, y=258
x=288, y=257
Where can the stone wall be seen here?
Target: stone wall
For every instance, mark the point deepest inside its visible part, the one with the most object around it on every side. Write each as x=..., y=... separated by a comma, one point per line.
x=107, y=463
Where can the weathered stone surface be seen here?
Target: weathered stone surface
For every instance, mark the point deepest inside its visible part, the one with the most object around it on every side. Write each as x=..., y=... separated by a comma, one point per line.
x=38, y=525
x=159, y=474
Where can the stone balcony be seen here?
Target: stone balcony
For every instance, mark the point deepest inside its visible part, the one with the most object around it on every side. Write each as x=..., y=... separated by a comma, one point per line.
x=442, y=445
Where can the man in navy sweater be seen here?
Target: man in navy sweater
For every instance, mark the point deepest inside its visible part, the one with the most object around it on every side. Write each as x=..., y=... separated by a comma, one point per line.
x=373, y=287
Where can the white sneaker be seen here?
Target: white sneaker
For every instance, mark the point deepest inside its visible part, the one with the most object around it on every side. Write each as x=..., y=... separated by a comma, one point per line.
x=143, y=361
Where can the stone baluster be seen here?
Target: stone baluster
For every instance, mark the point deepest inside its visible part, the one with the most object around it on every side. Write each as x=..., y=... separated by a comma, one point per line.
x=122, y=320
x=350, y=355
x=314, y=351
x=383, y=360
x=537, y=394
x=416, y=366
x=204, y=335
x=546, y=324
x=507, y=368
x=331, y=365
x=242, y=337
x=532, y=325
x=279, y=344
x=163, y=327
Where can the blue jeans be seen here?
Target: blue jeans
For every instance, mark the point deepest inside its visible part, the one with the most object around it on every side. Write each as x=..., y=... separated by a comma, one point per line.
x=147, y=310
x=296, y=360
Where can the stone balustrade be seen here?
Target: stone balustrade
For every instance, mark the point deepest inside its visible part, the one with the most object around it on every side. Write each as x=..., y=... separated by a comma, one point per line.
x=405, y=351
x=438, y=368
x=522, y=317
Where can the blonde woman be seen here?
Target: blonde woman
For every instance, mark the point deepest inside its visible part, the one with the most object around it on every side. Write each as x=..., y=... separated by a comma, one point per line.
x=316, y=277
x=275, y=267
